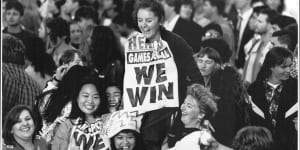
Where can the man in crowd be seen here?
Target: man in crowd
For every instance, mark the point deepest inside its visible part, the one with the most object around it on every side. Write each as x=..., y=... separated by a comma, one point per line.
x=257, y=48
x=13, y=14
x=18, y=87
x=189, y=31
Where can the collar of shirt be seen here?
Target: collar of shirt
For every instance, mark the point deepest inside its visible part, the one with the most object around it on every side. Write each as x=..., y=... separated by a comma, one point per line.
x=169, y=25
x=245, y=18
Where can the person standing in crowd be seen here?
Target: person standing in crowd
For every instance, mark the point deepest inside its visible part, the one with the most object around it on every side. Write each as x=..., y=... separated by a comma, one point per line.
x=212, y=31
x=68, y=9
x=273, y=96
x=155, y=124
x=227, y=86
x=19, y=88
x=75, y=34
x=59, y=37
x=13, y=14
x=39, y=65
x=19, y=131
x=277, y=5
x=186, y=9
x=213, y=10
x=243, y=32
x=198, y=107
x=54, y=104
x=85, y=118
x=188, y=30
x=104, y=49
x=257, y=48
x=31, y=18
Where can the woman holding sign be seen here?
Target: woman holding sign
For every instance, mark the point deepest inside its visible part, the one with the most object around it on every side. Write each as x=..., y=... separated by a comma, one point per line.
x=82, y=130
x=158, y=67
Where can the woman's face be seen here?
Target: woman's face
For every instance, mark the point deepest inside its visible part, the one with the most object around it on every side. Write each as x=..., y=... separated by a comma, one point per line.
x=282, y=72
x=125, y=141
x=75, y=33
x=206, y=65
x=186, y=11
x=88, y=99
x=113, y=94
x=24, y=128
x=148, y=23
x=190, y=112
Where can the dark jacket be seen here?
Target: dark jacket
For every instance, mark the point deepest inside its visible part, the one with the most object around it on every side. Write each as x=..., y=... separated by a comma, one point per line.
x=284, y=134
x=190, y=31
x=247, y=35
x=233, y=110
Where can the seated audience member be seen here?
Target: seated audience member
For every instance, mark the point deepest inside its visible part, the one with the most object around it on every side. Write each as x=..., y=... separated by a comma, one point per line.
x=212, y=30
x=18, y=87
x=254, y=138
x=274, y=95
x=19, y=130
x=198, y=107
x=40, y=65
x=59, y=38
x=85, y=120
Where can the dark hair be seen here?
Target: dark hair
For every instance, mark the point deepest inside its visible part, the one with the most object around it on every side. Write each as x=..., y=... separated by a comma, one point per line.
x=68, y=56
x=283, y=21
x=271, y=14
x=105, y=47
x=14, y=4
x=36, y=54
x=211, y=54
x=62, y=95
x=259, y=8
x=58, y=28
x=205, y=99
x=276, y=56
x=253, y=138
x=213, y=26
x=13, y=50
x=138, y=140
x=288, y=36
x=280, y=7
x=11, y=119
x=154, y=6
x=174, y=3
x=86, y=12
x=222, y=48
x=220, y=4
x=102, y=109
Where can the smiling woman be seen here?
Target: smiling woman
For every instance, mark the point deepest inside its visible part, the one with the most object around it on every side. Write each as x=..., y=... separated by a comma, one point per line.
x=84, y=121
x=19, y=131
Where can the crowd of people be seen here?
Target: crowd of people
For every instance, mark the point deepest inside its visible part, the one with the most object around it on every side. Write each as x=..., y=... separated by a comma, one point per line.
x=149, y=75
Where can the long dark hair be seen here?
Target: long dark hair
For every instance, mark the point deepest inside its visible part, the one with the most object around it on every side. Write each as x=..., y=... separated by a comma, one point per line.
x=41, y=61
x=138, y=140
x=102, y=109
x=62, y=95
x=11, y=119
x=276, y=56
x=105, y=47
